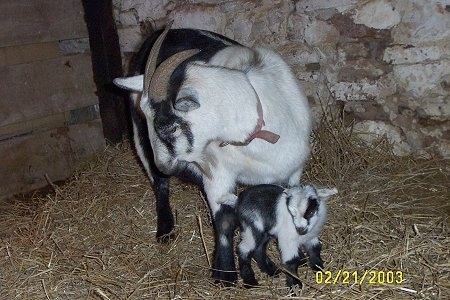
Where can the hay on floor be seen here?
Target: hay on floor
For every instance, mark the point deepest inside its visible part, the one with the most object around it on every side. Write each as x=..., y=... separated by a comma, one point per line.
x=93, y=237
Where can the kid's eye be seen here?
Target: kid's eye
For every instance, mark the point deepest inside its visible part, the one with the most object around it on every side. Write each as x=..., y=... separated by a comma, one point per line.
x=312, y=208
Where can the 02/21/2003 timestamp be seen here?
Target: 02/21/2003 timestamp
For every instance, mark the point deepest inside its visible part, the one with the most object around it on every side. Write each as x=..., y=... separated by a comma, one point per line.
x=357, y=277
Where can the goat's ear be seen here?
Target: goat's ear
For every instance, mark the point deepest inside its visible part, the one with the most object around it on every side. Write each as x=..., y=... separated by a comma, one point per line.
x=186, y=103
x=135, y=83
x=324, y=194
x=289, y=203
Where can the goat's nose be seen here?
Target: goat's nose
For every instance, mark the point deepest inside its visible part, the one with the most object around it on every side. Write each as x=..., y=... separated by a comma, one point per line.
x=302, y=230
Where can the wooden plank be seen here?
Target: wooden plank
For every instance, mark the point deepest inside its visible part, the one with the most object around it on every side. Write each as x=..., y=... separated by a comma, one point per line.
x=27, y=22
x=20, y=54
x=25, y=160
x=43, y=88
x=76, y=116
x=15, y=55
x=106, y=65
x=33, y=126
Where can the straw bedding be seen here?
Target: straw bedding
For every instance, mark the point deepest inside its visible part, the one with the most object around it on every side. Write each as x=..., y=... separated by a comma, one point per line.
x=93, y=236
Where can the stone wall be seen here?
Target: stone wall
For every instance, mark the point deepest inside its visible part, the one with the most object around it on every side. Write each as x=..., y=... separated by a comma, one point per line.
x=385, y=62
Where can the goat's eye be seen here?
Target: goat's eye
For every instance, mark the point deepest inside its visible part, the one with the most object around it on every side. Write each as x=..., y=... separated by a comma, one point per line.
x=175, y=130
x=313, y=205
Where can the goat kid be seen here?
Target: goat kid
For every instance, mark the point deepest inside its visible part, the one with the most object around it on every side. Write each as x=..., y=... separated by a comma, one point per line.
x=294, y=216
x=209, y=110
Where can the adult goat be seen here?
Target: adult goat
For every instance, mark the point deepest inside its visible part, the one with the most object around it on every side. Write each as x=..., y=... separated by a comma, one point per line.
x=217, y=113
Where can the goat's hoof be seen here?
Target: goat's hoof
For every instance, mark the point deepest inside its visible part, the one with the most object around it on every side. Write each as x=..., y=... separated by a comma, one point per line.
x=166, y=238
x=225, y=278
x=274, y=272
x=317, y=265
x=248, y=284
x=295, y=289
x=293, y=283
x=297, y=285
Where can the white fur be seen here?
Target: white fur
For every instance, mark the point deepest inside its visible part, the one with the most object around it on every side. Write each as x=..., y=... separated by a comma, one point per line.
x=227, y=88
x=135, y=83
x=229, y=113
x=248, y=242
x=294, y=216
x=285, y=229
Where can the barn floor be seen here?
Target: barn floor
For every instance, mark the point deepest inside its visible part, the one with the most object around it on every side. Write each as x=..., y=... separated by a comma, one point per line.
x=92, y=237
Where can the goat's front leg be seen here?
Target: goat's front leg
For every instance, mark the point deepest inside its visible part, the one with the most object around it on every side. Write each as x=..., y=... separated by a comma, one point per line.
x=291, y=258
x=165, y=222
x=222, y=202
x=313, y=248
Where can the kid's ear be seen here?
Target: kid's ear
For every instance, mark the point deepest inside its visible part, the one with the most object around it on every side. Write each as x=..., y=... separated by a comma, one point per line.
x=289, y=203
x=325, y=193
x=292, y=210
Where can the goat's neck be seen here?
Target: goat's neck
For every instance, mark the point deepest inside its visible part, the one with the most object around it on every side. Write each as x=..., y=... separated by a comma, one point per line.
x=258, y=132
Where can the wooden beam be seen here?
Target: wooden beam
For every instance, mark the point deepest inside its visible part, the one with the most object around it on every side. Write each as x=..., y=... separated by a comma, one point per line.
x=107, y=65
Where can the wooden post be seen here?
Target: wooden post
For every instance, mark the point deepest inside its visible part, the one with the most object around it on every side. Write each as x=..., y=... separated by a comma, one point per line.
x=106, y=65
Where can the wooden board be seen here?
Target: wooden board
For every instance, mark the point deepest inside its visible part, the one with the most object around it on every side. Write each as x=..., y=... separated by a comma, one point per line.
x=26, y=22
x=21, y=54
x=25, y=160
x=43, y=88
x=76, y=116
x=15, y=55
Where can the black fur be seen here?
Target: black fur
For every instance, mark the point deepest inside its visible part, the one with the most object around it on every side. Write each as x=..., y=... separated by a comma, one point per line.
x=252, y=199
x=313, y=206
x=292, y=266
x=265, y=264
x=165, y=221
x=258, y=204
x=225, y=223
x=178, y=40
x=315, y=261
x=166, y=123
x=264, y=194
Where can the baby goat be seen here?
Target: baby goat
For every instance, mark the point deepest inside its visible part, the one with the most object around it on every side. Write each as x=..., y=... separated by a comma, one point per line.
x=294, y=216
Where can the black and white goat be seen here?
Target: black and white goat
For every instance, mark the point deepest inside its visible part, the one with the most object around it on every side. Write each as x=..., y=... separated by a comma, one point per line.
x=206, y=109
x=294, y=216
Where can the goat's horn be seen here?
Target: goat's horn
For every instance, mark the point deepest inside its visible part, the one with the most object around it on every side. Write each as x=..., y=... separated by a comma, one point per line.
x=150, y=67
x=160, y=79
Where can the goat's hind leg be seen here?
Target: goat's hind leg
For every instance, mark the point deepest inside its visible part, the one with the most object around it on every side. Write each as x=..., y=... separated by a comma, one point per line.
x=264, y=262
x=245, y=251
